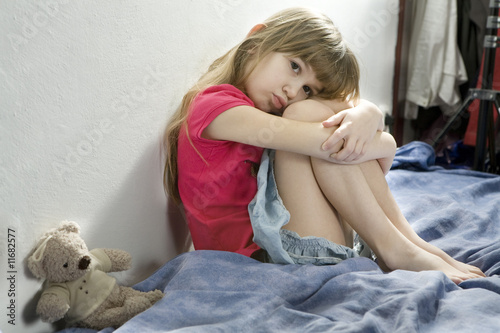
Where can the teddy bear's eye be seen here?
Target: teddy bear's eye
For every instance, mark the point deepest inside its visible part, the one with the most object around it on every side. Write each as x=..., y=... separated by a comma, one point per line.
x=65, y=265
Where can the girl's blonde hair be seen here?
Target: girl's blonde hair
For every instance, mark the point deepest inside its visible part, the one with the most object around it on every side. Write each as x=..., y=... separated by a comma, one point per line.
x=298, y=32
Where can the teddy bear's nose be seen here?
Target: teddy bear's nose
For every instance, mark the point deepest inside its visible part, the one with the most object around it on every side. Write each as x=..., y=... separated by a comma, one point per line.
x=84, y=263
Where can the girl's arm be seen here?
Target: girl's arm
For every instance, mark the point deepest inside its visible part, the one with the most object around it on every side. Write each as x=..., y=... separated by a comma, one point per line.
x=382, y=148
x=357, y=126
x=251, y=126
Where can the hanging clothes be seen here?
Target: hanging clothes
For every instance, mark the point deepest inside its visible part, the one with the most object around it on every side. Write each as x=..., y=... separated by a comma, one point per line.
x=470, y=36
x=436, y=68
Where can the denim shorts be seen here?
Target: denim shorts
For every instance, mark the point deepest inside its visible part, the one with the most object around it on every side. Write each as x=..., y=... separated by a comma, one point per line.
x=268, y=215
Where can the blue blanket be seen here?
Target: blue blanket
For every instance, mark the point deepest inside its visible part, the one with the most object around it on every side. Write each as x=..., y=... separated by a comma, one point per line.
x=459, y=211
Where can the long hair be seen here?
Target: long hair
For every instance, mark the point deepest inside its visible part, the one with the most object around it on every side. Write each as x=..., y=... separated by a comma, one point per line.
x=298, y=32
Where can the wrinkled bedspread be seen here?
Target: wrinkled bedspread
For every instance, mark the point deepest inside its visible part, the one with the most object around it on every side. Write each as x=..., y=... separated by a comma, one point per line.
x=458, y=211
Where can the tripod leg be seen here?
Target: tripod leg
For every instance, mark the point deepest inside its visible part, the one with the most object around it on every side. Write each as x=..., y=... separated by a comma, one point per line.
x=495, y=131
x=497, y=103
x=481, y=135
x=491, y=141
x=450, y=122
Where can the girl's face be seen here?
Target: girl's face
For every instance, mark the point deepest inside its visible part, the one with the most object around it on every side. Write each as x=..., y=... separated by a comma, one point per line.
x=279, y=80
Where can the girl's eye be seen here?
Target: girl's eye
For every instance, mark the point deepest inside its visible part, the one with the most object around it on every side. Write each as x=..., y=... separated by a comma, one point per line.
x=307, y=90
x=295, y=66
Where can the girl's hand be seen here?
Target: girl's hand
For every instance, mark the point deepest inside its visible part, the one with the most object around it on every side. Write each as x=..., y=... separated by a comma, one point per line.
x=357, y=127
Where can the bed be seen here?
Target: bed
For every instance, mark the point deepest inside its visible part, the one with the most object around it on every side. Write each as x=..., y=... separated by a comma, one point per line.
x=456, y=210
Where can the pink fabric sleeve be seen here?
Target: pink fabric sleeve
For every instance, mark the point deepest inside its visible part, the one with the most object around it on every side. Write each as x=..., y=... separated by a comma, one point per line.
x=211, y=103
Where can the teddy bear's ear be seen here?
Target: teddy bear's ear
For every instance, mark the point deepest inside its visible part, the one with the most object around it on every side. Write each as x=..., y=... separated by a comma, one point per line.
x=69, y=226
x=36, y=268
x=35, y=261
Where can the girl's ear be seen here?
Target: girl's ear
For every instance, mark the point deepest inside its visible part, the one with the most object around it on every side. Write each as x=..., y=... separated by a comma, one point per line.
x=256, y=28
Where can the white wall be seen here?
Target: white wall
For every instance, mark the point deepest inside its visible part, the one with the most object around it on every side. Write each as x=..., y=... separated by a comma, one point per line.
x=85, y=90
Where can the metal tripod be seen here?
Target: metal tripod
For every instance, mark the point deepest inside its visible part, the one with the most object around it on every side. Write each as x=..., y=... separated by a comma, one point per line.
x=489, y=99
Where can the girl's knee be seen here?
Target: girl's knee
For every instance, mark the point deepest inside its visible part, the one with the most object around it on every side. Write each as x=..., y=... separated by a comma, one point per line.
x=308, y=110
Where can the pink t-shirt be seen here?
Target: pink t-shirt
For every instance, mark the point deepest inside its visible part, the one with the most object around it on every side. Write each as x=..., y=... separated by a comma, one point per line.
x=217, y=188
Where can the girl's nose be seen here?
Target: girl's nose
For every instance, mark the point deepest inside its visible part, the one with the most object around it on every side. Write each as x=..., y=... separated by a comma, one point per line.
x=292, y=91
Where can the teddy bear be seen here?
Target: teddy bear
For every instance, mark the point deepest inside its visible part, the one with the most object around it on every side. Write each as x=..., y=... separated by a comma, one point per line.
x=77, y=286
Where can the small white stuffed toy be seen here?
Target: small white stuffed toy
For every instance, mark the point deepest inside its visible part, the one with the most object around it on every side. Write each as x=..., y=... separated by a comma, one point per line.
x=77, y=287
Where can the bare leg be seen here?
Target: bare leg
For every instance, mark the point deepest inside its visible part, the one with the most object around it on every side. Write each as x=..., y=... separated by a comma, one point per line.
x=311, y=213
x=346, y=188
x=358, y=205
x=378, y=185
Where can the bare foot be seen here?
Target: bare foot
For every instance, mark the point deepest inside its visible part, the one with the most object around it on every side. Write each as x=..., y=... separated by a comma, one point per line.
x=414, y=258
x=465, y=268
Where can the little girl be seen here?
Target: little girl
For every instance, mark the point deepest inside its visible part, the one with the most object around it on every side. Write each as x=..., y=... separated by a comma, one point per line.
x=284, y=88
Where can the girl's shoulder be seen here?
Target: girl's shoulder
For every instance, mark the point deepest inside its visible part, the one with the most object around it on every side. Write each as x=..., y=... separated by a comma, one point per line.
x=222, y=94
x=211, y=102
x=222, y=89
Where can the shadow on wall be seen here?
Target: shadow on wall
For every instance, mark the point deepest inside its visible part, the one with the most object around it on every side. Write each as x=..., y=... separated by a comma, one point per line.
x=140, y=219
x=176, y=222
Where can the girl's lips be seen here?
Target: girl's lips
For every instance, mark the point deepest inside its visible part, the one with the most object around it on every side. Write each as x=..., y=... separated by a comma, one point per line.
x=278, y=102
